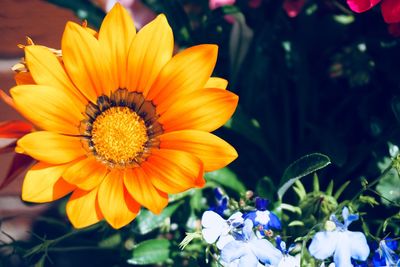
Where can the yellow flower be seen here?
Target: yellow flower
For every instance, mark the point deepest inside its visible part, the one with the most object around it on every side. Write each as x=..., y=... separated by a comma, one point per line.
x=124, y=123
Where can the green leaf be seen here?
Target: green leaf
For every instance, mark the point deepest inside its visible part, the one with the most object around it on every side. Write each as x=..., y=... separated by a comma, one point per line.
x=111, y=241
x=329, y=189
x=147, y=221
x=41, y=262
x=249, y=128
x=341, y=189
x=315, y=183
x=300, y=168
x=389, y=187
x=227, y=179
x=299, y=190
x=291, y=208
x=296, y=223
x=265, y=188
x=151, y=252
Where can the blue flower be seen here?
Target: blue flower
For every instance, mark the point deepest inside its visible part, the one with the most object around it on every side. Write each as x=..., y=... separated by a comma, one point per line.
x=221, y=202
x=250, y=250
x=341, y=243
x=263, y=217
x=215, y=227
x=385, y=255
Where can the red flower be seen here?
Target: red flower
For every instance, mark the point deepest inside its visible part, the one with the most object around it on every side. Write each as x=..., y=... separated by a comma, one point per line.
x=390, y=8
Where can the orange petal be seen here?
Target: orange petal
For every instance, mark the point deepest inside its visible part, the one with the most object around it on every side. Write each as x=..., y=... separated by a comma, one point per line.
x=214, y=152
x=150, y=50
x=186, y=72
x=42, y=183
x=50, y=147
x=86, y=173
x=173, y=171
x=83, y=209
x=216, y=82
x=86, y=63
x=205, y=110
x=49, y=108
x=47, y=70
x=143, y=191
x=116, y=34
x=23, y=78
x=116, y=204
x=14, y=129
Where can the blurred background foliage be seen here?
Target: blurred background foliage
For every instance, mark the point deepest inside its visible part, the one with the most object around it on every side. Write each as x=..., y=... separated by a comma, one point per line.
x=326, y=81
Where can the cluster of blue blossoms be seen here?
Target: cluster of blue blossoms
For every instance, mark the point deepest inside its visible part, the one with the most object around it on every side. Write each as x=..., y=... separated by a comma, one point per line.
x=244, y=240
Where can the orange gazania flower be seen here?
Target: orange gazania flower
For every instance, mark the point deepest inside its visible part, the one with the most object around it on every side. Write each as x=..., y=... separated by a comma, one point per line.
x=124, y=123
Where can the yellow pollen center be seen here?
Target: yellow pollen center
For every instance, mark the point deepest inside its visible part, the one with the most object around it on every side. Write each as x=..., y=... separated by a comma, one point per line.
x=119, y=135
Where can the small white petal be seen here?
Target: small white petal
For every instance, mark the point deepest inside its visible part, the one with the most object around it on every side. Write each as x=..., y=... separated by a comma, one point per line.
x=210, y=235
x=234, y=250
x=248, y=260
x=289, y=261
x=265, y=251
x=223, y=240
x=342, y=255
x=323, y=244
x=359, y=248
x=236, y=219
x=262, y=217
x=212, y=219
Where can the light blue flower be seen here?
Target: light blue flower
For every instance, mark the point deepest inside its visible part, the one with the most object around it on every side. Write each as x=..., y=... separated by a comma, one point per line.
x=215, y=227
x=341, y=243
x=250, y=250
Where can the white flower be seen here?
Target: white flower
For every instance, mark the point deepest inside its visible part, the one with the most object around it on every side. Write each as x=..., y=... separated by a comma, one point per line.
x=250, y=250
x=341, y=243
x=215, y=227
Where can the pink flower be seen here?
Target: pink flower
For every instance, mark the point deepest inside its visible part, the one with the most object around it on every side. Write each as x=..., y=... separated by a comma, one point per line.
x=214, y=4
x=390, y=8
x=293, y=7
x=255, y=3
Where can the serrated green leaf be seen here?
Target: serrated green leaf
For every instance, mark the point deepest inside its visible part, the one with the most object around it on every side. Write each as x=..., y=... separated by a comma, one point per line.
x=300, y=168
x=227, y=179
x=151, y=252
x=147, y=221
